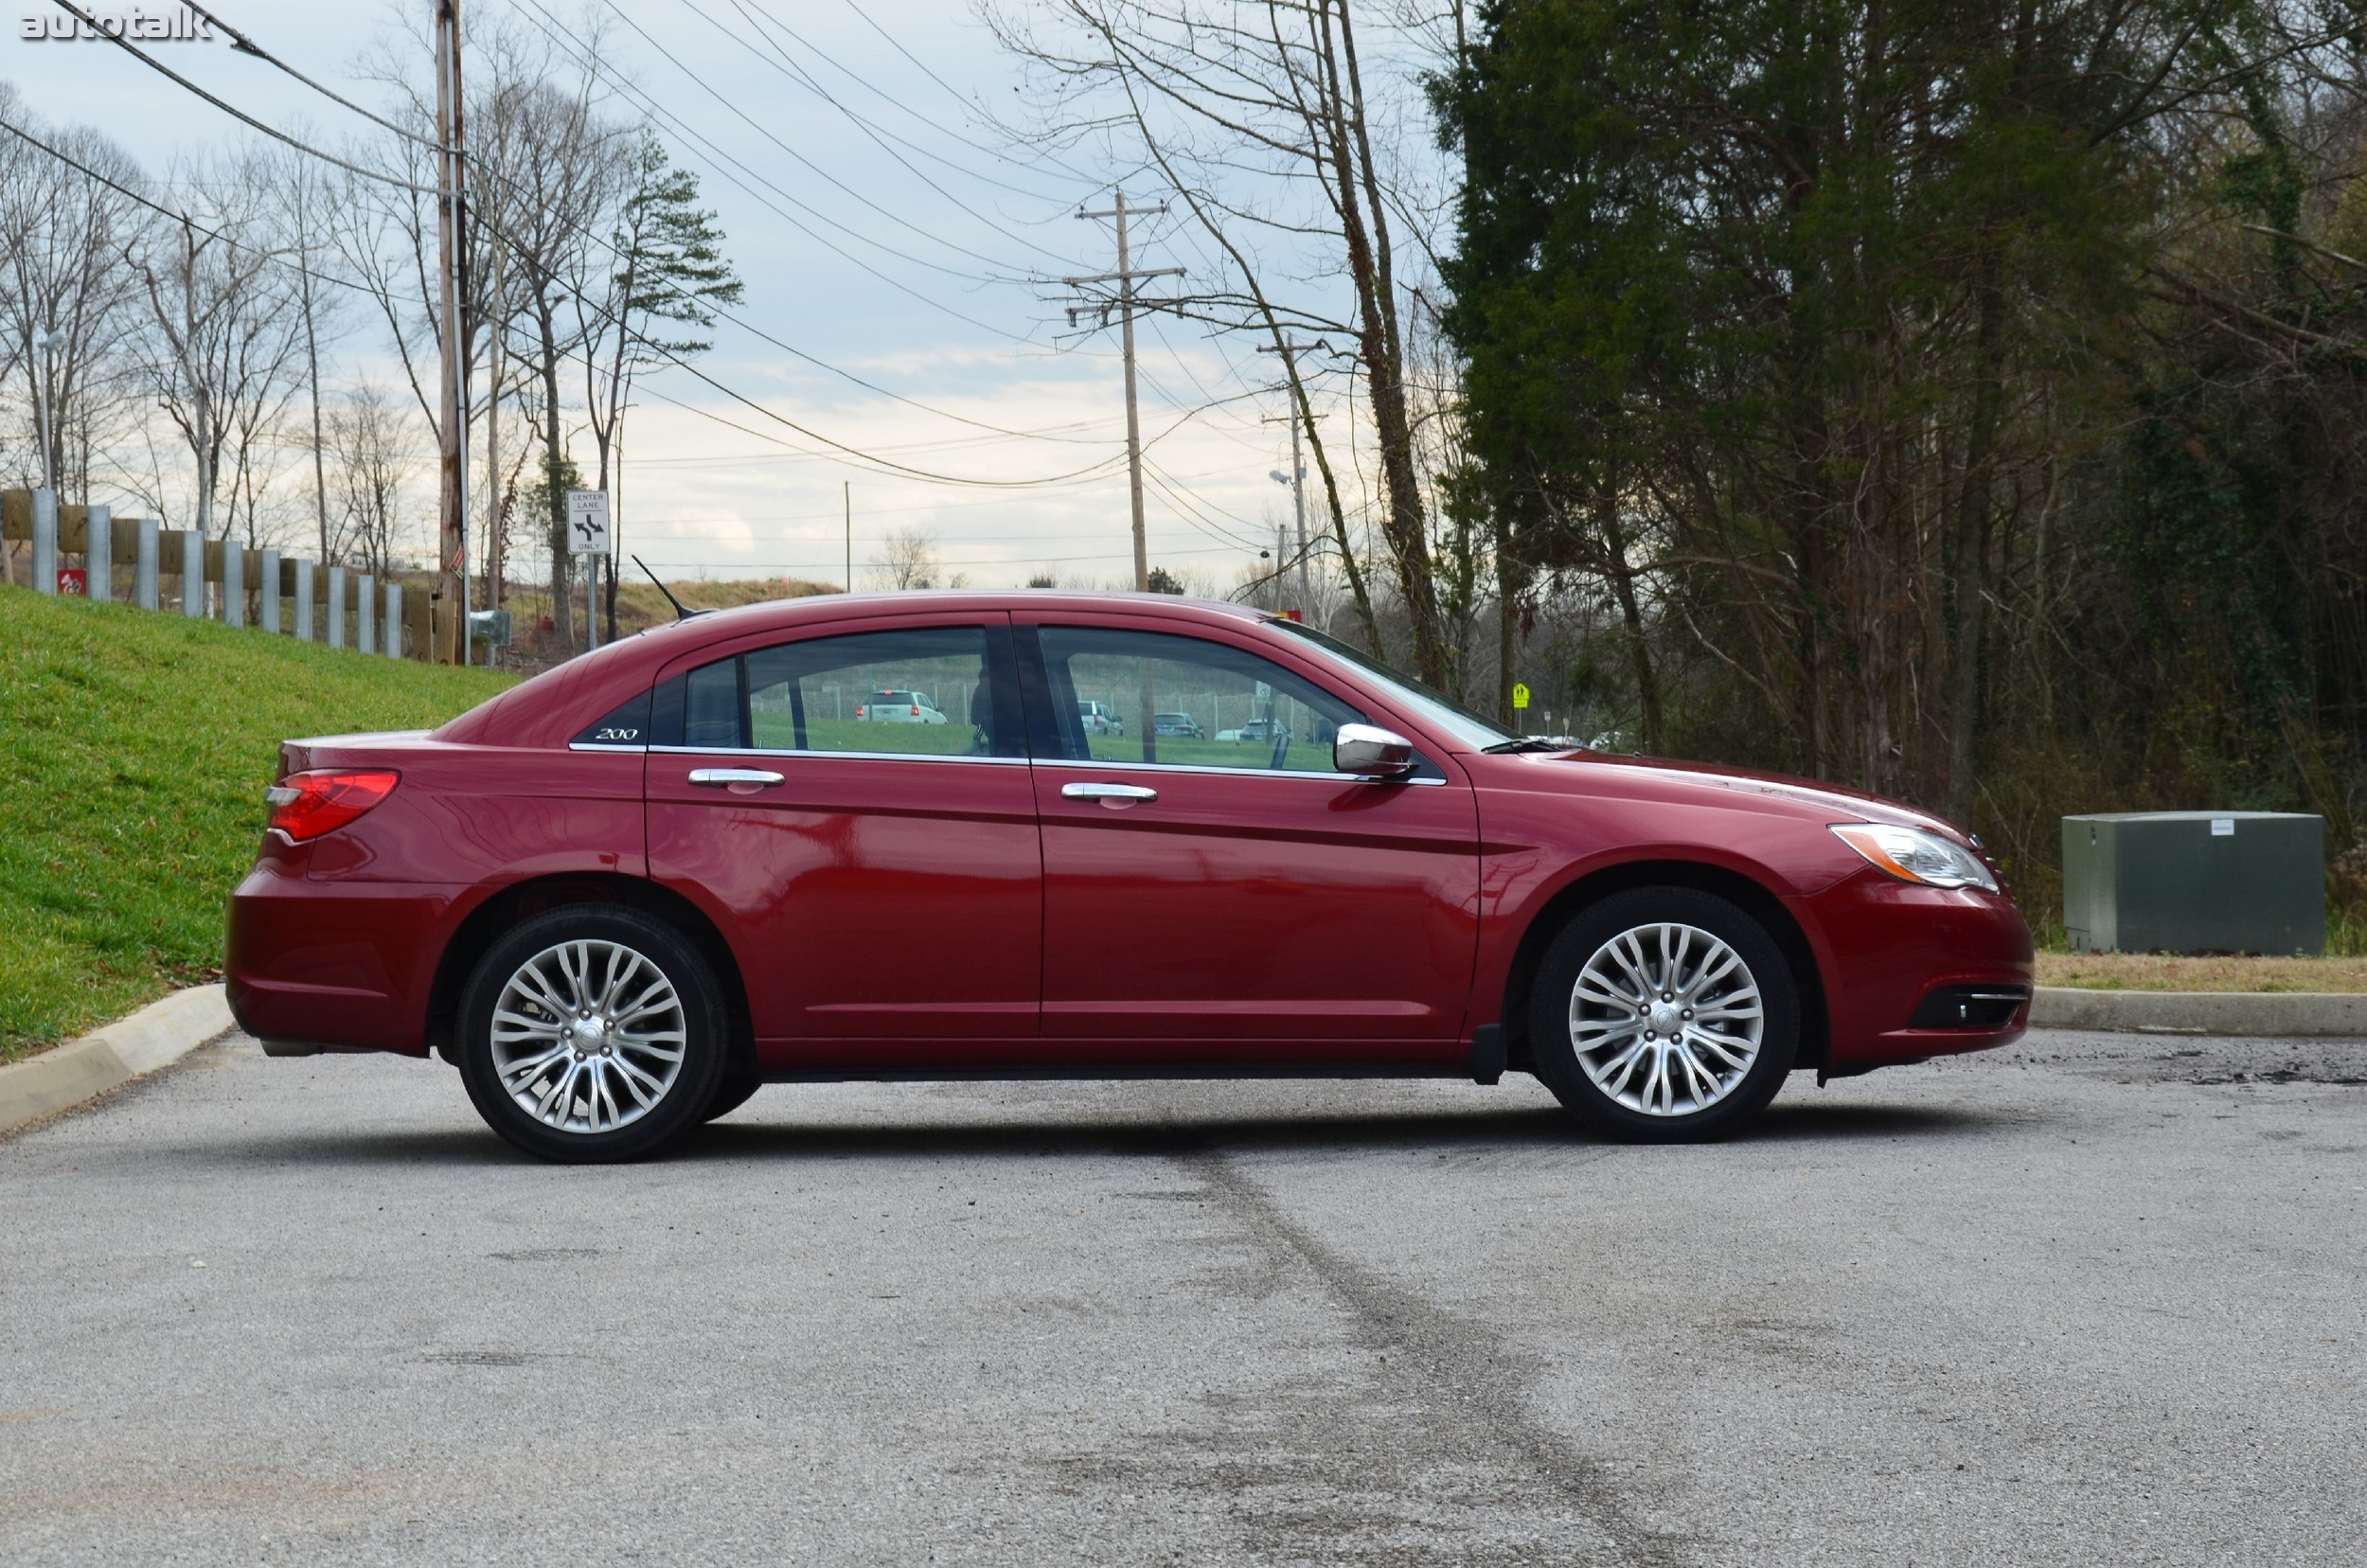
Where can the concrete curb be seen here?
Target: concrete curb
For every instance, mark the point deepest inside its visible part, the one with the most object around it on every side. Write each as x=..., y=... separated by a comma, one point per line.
x=156, y=1036
x=2260, y=1013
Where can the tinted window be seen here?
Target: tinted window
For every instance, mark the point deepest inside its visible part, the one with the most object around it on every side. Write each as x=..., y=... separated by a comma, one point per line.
x=825, y=694
x=1186, y=702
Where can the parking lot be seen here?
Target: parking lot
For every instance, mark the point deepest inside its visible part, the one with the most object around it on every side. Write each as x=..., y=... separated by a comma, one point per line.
x=2095, y=1299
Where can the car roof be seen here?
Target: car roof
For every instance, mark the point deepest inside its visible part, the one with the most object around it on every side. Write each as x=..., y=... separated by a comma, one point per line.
x=548, y=706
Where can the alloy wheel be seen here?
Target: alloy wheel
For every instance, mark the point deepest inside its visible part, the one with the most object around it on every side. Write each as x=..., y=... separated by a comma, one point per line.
x=1666, y=1019
x=588, y=1036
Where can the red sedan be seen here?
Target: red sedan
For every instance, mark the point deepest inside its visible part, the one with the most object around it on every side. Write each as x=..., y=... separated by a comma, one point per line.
x=623, y=895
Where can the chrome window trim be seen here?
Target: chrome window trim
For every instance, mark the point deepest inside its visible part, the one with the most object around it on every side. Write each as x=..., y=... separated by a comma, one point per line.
x=854, y=757
x=602, y=745
x=1154, y=769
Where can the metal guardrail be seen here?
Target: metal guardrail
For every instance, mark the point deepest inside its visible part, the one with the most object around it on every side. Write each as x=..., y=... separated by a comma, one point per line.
x=290, y=596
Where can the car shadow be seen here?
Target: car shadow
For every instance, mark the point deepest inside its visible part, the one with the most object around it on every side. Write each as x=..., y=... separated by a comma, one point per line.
x=750, y=1135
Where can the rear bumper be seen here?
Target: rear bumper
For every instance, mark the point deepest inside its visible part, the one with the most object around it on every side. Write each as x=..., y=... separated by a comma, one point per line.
x=334, y=966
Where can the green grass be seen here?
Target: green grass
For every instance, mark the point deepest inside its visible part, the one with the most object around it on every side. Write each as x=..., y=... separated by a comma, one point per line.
x=135, y=748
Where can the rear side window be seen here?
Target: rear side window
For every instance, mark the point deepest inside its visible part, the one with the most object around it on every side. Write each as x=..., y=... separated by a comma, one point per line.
x=626, y=728
x=826, y=694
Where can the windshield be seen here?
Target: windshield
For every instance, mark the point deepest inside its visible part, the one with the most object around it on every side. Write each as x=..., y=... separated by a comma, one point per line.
x=1452, y=717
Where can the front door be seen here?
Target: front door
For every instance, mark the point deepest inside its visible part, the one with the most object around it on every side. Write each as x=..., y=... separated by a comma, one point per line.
x=853, y=810
x=1215, y=894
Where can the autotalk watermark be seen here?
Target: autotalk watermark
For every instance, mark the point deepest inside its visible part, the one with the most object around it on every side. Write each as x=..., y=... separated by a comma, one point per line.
x=177, y=26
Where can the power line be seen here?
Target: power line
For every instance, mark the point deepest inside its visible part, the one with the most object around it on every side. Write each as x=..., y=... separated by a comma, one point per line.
x=649, y=105
x=117, y=39
x=879, y=136
x=788, y=349
x=161, y=209
x=244, y=45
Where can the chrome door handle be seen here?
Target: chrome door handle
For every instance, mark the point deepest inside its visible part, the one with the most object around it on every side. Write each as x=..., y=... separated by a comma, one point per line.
x=725, y=778
x=1126, y=793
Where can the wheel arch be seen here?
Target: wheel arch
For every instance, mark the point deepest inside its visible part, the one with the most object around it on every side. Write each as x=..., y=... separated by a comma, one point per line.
x=511, y=906
x=1752, y=897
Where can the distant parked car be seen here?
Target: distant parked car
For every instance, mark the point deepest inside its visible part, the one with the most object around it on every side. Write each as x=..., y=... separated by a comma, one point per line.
x=1098, y=720
x=901, y=707
x=1181, y=727
x=1257, y=729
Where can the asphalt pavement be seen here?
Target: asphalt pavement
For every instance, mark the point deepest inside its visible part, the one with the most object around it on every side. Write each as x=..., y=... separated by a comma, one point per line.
x=2095, y=1299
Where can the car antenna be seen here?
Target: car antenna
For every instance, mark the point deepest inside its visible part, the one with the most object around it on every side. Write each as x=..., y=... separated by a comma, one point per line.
x=681, y=612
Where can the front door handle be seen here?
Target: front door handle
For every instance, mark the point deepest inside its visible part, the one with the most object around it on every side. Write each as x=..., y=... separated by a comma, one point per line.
x=724, y=778
x=1116, y=796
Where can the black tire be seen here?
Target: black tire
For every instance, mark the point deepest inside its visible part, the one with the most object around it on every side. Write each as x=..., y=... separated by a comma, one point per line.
x=1724, y=1087
x=738, y=1088
x=693, y=1006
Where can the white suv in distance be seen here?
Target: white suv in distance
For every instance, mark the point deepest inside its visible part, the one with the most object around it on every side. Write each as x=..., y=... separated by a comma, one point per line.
x=1098, y=720
x=901, y=707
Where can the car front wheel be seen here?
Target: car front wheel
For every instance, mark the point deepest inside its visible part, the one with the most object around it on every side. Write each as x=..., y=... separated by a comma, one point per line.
x=592, y=1034
x=1663, y=1014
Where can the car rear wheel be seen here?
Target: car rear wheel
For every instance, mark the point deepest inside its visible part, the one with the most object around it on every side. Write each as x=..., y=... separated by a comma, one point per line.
x=1663, y=1014
x=592, y=1034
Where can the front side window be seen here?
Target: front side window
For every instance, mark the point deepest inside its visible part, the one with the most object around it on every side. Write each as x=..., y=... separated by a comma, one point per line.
x=1184, y=702
x=923, y=692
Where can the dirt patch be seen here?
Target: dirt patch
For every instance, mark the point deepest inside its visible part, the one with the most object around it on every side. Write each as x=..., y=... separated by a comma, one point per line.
x=2155, y=971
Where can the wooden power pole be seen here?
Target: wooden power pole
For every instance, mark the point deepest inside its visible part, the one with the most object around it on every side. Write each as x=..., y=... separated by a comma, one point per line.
x=450, y=620
x=1124, y=277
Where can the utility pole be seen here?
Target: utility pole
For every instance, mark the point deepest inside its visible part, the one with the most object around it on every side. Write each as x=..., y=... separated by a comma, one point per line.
x=846, y=488
x=452, y=579
x=1298, y=464
x=1124, y=277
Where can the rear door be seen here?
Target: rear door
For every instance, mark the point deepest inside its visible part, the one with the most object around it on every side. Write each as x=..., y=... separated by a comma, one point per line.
x=880, y=881
x=1237, y=902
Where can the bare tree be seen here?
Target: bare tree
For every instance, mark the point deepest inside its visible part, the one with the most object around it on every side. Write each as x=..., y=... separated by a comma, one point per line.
x=229, y=338
x=906, y=559
x=1258, y=117
x=61, y=236
x=375, y=457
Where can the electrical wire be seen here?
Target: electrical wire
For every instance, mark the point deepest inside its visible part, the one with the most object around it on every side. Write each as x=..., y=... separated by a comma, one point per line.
x=117, y=39
x=789, y=69
x=244, y=45
x=158, y=207
x=587, y=234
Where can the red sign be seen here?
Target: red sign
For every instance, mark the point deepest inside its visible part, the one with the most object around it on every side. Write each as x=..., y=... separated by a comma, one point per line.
x=73, y=580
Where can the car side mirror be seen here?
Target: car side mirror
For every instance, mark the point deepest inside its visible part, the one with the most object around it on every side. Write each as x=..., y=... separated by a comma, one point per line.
x=1371, y=751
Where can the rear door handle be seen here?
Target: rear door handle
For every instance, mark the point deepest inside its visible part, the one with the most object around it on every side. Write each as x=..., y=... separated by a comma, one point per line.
x=1109, y=794
x=723, y=778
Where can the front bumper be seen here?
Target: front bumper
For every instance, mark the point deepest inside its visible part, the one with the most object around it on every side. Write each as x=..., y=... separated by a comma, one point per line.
x=1889, y=945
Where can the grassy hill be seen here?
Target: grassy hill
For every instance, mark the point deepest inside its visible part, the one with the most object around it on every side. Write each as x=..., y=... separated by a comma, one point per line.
x=135, y=748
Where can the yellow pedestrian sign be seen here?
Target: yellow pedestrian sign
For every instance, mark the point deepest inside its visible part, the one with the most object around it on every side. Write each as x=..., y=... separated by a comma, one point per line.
x=1520, y=695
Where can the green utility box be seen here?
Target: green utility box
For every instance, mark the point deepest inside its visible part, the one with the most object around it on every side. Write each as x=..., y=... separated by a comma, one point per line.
x=2194, y=881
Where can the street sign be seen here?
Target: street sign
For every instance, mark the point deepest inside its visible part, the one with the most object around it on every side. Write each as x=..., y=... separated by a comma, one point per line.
x=1520, y=695
x=587, y=523
x=73, y=581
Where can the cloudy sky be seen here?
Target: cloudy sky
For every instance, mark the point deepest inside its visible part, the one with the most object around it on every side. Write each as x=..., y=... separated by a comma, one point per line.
x=882, y=226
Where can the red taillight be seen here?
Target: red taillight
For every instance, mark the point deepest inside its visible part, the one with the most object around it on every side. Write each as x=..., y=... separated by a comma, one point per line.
x=305, y=805
x=916, y=712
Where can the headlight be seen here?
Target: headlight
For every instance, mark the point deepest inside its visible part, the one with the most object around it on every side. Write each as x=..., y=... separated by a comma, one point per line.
x=1913, y=855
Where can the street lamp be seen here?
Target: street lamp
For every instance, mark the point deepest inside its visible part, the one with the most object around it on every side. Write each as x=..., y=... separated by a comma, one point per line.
x=46, y=342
